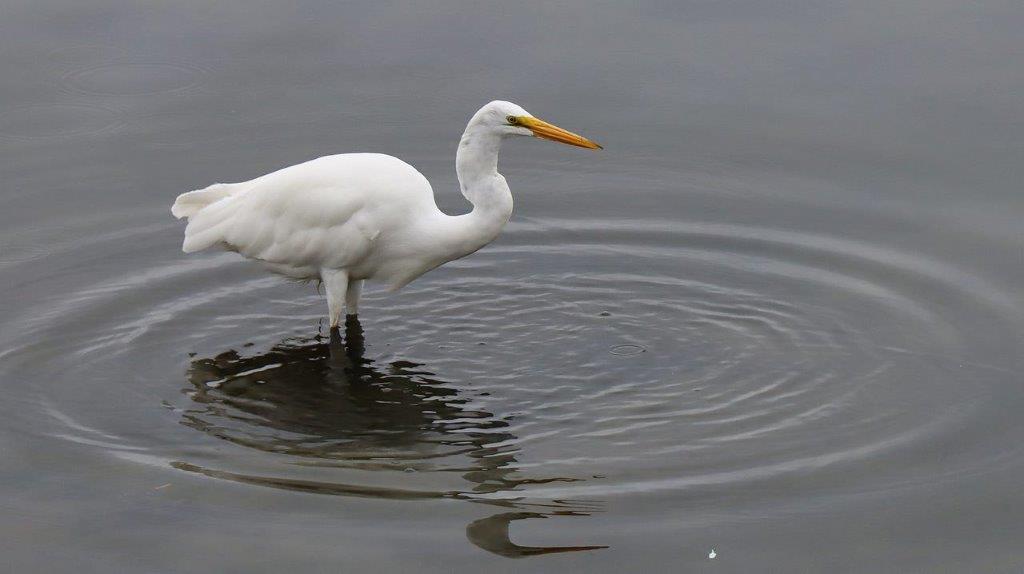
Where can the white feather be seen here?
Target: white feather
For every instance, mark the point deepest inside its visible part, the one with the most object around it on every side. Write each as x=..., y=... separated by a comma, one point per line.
x=188, y=204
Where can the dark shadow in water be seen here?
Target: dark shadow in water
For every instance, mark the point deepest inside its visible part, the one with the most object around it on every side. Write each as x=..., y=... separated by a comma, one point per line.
x=491, y=534
x=324, y=401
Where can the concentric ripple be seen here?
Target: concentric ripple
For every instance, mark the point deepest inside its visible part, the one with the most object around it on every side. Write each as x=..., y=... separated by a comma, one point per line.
x=133, y=78
x=572, y=363
x=46, y=121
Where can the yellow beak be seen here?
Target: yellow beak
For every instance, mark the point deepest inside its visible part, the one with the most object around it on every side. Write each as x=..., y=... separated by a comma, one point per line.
x=542, y=129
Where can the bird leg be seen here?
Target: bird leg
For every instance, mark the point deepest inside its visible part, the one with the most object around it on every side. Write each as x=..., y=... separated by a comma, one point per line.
x=355, y=288
x=336, y=284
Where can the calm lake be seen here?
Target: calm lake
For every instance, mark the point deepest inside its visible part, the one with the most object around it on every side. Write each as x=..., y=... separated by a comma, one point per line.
x=776, y=325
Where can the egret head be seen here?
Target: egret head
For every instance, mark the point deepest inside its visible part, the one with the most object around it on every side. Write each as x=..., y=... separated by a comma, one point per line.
x=508, y=119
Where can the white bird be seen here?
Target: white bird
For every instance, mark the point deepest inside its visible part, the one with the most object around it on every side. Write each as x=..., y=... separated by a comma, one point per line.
x=343, y=219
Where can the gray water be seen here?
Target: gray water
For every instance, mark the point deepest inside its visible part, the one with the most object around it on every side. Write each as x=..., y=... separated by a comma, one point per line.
x=780, y=316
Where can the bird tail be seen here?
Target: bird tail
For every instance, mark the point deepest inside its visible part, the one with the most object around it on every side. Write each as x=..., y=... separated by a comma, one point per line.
x=208, y=211
x=189, y=204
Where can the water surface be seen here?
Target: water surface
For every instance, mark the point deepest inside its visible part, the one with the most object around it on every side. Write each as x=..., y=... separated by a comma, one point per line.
x=780, y=316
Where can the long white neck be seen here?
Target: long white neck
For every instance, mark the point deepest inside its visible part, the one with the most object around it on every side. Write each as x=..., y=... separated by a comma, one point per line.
x=476, y=164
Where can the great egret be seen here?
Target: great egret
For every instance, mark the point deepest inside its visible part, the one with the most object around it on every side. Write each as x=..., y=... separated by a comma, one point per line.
x=342, y=219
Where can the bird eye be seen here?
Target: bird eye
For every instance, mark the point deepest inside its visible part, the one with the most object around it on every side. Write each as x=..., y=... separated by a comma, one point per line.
x=511, y=120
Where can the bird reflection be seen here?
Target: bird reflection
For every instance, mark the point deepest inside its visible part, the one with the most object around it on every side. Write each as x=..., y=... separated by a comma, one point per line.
x=323, y=401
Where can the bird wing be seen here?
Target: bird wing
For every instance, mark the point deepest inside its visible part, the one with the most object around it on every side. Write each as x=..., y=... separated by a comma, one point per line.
x=323, y=213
